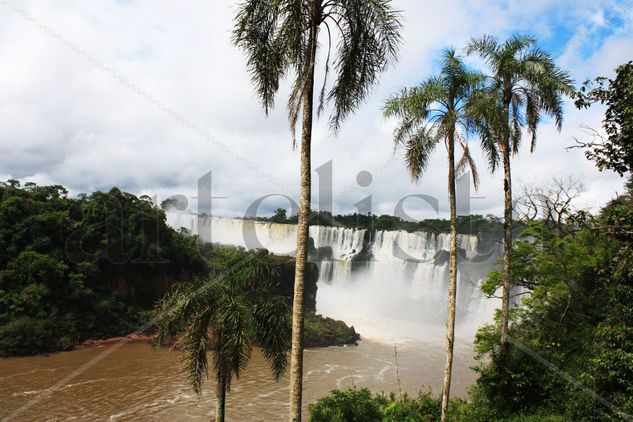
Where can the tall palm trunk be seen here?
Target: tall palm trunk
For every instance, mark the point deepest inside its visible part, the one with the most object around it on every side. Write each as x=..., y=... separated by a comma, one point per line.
x=296, y=353
x=221, y=377
x=220, y=395
x=452, y=289
x=507, y=243
x=507, y=232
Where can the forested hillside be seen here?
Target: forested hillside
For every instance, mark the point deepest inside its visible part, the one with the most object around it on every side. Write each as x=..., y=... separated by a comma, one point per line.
x=93, y=267
x=72, y=269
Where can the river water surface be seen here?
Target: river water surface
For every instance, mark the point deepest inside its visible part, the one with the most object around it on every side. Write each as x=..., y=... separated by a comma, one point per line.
x=391, y=299
x=135, y=383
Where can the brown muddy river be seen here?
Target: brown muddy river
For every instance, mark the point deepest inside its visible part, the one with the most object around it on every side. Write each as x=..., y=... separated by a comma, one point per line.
x=132, y=382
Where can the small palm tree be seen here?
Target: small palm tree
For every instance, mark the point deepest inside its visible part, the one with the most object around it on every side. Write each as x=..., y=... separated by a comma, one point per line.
x=438, y=111
x=225, y=313
x=280, y=37
x=524, y=84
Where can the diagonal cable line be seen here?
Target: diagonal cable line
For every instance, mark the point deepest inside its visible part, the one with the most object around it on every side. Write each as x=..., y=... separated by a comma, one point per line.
x=613, y=13
x=175, y=115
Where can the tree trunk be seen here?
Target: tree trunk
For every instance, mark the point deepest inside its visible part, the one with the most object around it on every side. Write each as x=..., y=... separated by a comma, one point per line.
x=452, y=289
x=296, y=352
x=507, y=241
x=220, y=395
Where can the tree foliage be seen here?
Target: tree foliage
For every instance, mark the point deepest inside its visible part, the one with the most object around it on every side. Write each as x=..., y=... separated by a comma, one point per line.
x=436, y=111
x=577, y=317
x=77, y=268
x=524, y=84
x=616, y=151
x=275, y=35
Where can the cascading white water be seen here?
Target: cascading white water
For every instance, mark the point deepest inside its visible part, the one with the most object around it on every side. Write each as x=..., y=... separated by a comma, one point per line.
x=391, y=285
x=401, y=292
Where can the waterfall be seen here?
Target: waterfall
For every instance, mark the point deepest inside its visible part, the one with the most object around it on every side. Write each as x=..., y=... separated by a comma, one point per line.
x=391, y=285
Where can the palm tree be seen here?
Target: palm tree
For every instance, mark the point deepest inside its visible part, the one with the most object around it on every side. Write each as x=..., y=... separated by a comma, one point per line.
x=281, y=37
x=525, y=83
x=437, y=111
x=226, y=312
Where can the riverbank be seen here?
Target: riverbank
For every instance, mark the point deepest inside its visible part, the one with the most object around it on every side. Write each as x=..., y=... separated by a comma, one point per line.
x=319, y=332
x=130, y=338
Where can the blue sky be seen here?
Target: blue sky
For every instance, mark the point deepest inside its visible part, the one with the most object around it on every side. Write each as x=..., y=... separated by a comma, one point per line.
x=66, y=120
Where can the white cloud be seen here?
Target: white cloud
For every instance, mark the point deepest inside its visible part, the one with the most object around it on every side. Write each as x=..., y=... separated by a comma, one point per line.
x=65, y=121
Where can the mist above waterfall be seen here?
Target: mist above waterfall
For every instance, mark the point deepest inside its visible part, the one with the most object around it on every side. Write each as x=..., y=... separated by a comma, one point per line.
x=391, y=285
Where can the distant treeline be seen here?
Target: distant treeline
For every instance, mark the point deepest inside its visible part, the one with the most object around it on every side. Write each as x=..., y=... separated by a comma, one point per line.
x=466, y=224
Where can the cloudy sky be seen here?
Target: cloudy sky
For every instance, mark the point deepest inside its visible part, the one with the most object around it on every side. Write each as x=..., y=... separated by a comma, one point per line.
x=150, y=95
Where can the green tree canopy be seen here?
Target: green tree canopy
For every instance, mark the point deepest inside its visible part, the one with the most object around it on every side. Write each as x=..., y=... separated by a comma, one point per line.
x=616, y=152
x=78, y=268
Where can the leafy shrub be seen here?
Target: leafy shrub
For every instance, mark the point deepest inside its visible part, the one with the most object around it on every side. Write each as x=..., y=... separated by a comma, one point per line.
x=320, y=331
x=425, y=407
x=360, y=405
x=351, y=405
x=25, y=336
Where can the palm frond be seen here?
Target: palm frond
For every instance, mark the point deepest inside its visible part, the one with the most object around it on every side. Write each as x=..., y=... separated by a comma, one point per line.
x=487, y=47
x=489, y=137
x=416, y=102
x=272, y=331
x=517, y=122
x=548, y=81
x=235, y=350
x=516, y=44
x=275, y=37
x=255, y=276
x=180, y=305
x=369, y=32
x=438, y=109
x=484, y=112
x=532, y=116
x=418, y=150
x=256, y=32
x=524, y=77
x=326, y=73
x=465, y=163
x=194, y=343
